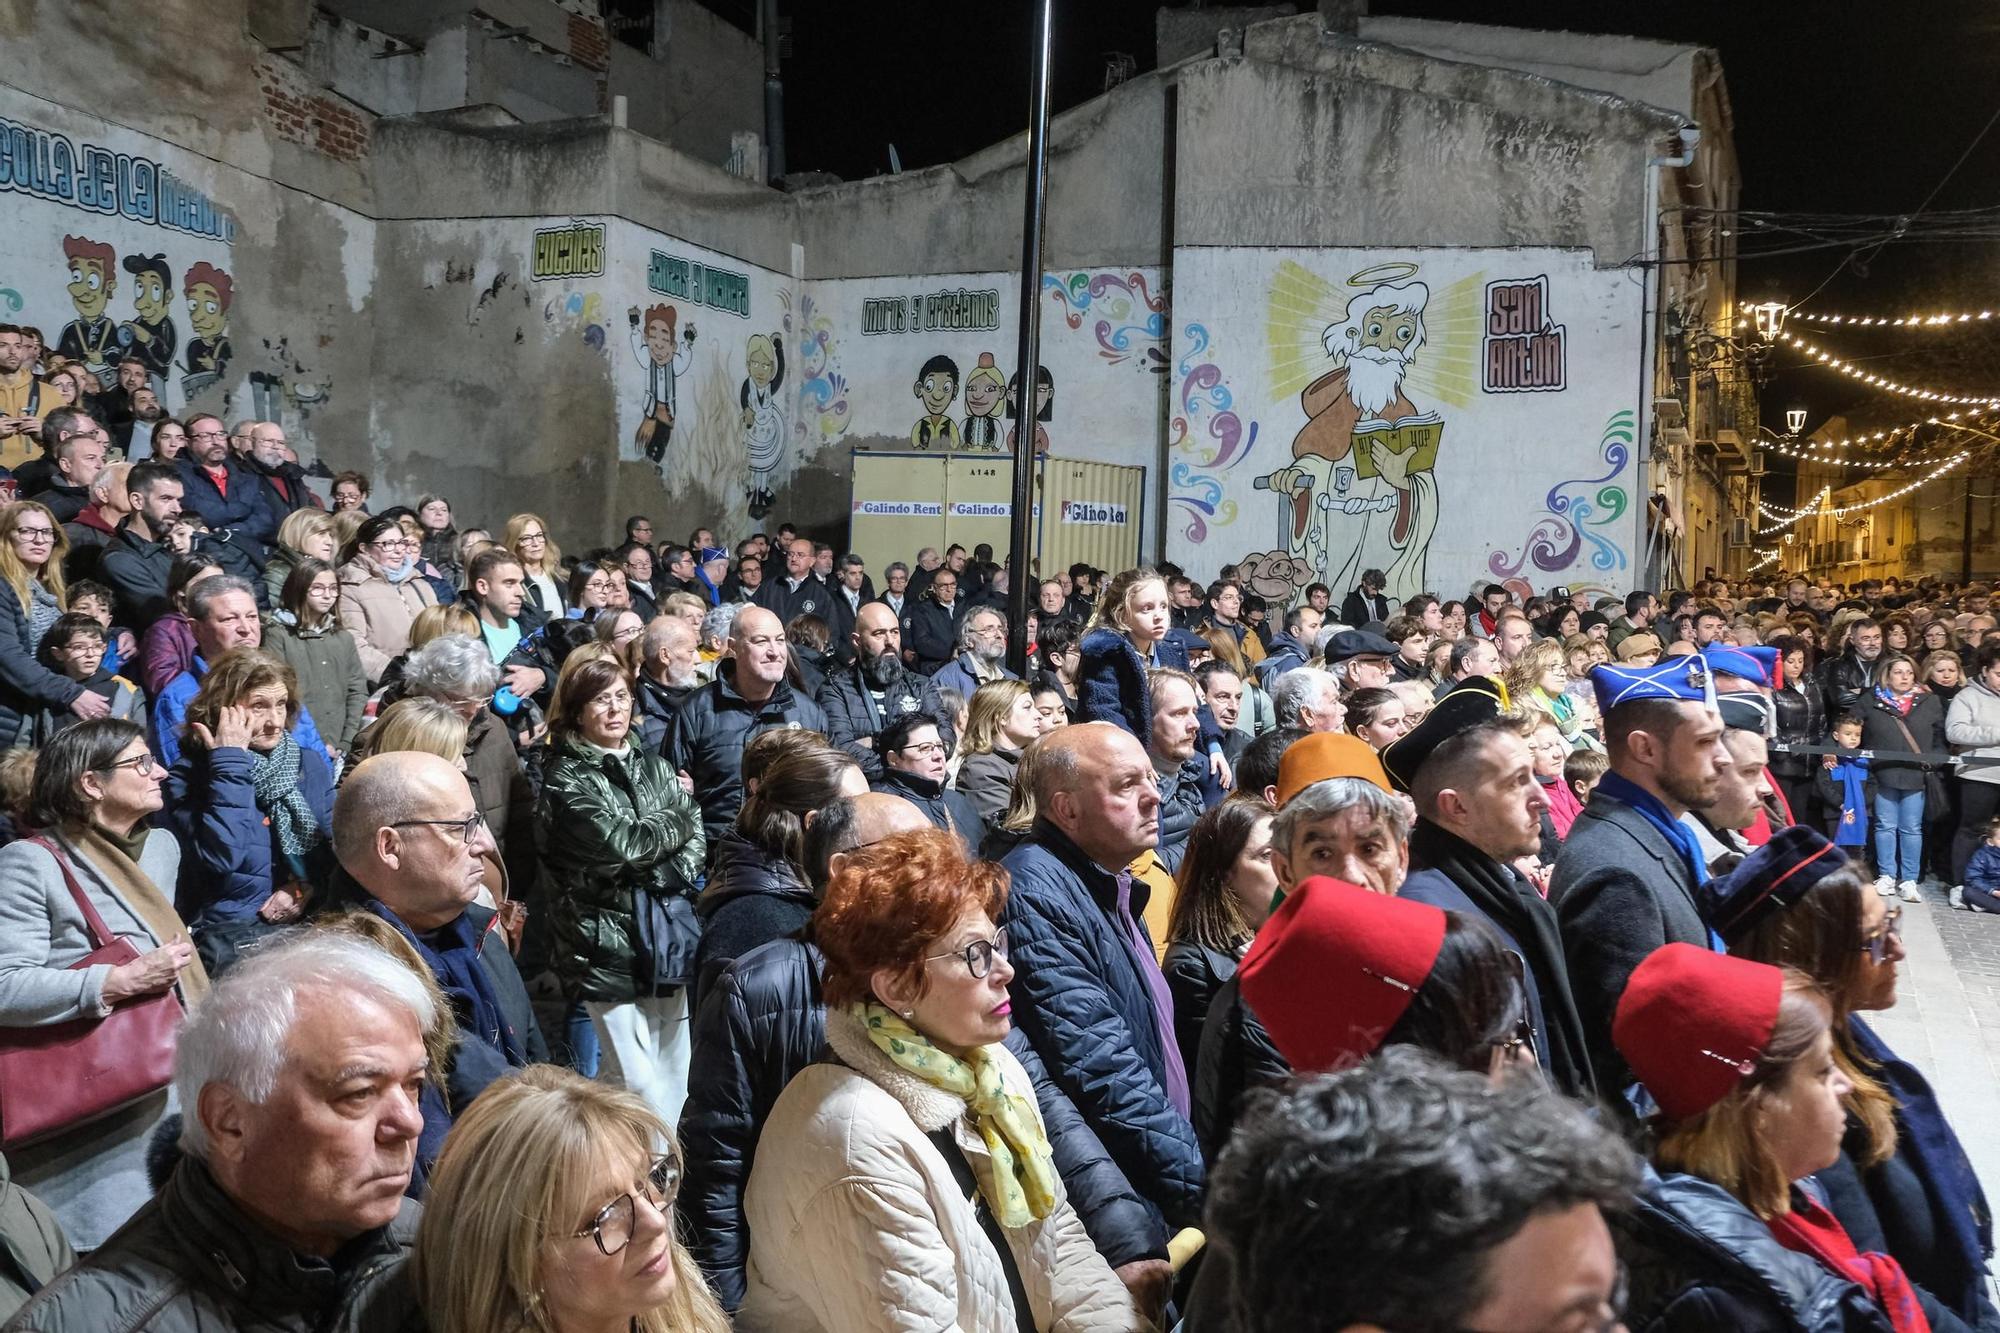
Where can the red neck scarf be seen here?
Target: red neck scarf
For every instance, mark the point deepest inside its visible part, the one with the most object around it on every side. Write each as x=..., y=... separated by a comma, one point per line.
x=1811, y=1230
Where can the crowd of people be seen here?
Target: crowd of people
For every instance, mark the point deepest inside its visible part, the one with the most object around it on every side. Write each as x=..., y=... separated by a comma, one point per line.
x=412, y=926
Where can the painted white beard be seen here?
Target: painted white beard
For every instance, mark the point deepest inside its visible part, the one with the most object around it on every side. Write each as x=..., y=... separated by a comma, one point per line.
x=1374, y=379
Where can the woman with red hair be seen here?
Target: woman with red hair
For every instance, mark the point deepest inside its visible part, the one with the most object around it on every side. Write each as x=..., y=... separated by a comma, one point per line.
x=907, y=1183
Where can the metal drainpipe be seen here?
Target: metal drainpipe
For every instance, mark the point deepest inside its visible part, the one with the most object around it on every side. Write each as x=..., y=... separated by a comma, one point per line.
x=774, y=93
x=1649, y=320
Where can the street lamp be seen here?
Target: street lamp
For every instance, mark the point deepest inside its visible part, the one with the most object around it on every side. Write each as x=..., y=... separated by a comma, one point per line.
x=1770, y=319
x=1795, y=421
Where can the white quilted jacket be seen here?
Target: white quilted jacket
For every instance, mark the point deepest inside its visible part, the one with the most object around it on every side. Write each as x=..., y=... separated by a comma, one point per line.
x=858, y=1226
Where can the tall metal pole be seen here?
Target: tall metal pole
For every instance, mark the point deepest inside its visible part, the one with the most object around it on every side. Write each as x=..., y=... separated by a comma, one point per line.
x=1020, y=577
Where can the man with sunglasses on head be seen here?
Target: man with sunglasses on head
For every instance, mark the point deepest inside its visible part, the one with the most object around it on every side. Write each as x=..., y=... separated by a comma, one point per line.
x=408, y=835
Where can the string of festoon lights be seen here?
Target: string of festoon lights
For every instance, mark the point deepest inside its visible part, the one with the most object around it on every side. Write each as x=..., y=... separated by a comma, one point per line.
x=1947, y=319
x=1854, y=372
x=1835, y=451
x=1787, y=517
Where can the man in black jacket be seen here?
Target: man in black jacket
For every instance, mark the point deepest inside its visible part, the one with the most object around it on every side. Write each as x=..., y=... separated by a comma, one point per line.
x=404, y=824
x=271, y=1187
x=762, y=1020
x=1625, y=882
x=1480, y=808
x=748, y=696
x=271, y=458
x=137, y=560
x=930, y=624
x=1845, y=680
x=862, y=699
x=798, y=591
x=1366, y=603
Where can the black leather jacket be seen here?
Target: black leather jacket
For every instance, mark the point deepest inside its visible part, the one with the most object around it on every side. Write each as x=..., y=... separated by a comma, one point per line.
x=190, y=1261
x=1801, y=721
x=1843, y=681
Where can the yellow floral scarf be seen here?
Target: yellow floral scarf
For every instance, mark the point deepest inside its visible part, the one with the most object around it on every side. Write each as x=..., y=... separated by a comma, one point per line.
x=1022, y=1187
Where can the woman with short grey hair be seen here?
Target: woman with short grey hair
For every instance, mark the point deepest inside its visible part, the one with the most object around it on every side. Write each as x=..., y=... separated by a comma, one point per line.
x=95, y=786
x=459, y=671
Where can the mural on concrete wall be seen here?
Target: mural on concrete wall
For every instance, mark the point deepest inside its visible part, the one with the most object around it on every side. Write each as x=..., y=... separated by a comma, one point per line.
x=112, y=255
x=1337, y=411
x=924, y=364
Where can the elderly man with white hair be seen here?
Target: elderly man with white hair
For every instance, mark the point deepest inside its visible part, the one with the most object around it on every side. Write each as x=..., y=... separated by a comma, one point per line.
x=669, y=653
x=299, y=1078
x=1308, y=698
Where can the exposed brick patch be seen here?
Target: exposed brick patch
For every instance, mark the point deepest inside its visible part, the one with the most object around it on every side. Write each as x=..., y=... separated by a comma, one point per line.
x=300, y=112
x=589, y=43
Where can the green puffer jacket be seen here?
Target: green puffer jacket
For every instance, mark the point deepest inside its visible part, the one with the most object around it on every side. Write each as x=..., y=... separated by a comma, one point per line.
x=609, y=826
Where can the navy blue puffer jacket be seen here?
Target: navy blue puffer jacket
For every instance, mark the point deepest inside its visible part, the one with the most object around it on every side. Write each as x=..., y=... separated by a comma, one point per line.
x=1079, y=996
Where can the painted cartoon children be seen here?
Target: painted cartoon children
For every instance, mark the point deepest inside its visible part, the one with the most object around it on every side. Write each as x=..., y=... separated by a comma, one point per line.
x=985, y=388
x=665, y=359
x=936, y=387
x=763, y=421
x=1045, y=403
x=151, y=337
x=92, y=337
x=209, y=293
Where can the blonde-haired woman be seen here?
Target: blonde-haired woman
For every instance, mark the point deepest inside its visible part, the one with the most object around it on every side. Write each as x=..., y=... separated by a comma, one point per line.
x=1126, y=638
x=1001, y=722
x=541, y=563
x=32, y=597
x=1539, y=679
x=551, y=1209
x=415, y=723
x=306, y=534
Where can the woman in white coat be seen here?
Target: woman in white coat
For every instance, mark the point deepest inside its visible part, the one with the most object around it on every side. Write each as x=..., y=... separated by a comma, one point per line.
x=906, y=1183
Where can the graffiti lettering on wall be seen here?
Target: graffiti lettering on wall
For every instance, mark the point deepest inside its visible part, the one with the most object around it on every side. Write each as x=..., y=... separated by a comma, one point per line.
x=574, y=251
x=55, y=167
x=1523, y=346
x=952, y=310
x=702, y=284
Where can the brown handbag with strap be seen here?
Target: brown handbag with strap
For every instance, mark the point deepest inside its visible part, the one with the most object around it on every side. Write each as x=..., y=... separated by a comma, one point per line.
x=57, y=1076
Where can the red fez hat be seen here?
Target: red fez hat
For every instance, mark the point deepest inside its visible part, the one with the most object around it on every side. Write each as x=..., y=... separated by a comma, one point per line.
x=1334, y=968
x=1693, y=1024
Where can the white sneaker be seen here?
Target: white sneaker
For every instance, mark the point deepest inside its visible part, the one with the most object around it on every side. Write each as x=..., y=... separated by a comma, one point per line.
x=1909, y=892
x=1958, y=896
x=1885, y=885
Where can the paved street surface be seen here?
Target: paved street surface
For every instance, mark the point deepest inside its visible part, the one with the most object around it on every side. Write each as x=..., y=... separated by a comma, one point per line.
x=1947, y=1019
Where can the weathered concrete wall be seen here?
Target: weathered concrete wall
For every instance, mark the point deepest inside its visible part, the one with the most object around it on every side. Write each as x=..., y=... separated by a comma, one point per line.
x=1110, y=169
x=1660, y=74
x=1385, y=146
x=1181, y=33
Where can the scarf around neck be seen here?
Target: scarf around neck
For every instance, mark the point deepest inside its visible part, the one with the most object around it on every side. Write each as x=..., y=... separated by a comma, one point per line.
x=274, y=782
x=116, y=862
x=1899, y=704
x=1621, y=788
x=1021, y=1187
x=1512, y=904
x=1811, y=1230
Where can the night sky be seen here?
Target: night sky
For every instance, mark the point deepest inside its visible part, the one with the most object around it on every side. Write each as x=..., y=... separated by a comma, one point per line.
x=1839, y=108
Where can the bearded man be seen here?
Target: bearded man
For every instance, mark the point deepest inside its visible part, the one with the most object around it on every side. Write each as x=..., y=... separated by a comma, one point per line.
x=862, y=699
x=1360, y=485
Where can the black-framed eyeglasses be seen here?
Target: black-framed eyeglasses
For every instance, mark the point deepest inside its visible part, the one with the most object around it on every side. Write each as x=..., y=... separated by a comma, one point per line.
x=977, y=956
x=141, y=763
x=613, y=1225
x=464, y=826
x=1876, y=946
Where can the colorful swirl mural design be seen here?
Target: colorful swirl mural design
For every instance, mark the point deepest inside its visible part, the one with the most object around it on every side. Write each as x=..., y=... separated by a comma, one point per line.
x=1208, y=437
x=1575, y=512
x=1128, y=321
